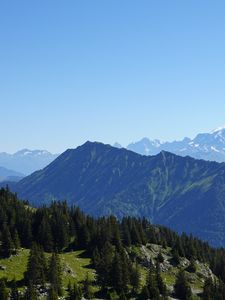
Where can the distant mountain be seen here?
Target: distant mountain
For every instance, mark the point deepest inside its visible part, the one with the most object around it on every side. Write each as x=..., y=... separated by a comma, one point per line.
x=208, y=146
x=10, y=175
x=26, y=161
x=180, y=192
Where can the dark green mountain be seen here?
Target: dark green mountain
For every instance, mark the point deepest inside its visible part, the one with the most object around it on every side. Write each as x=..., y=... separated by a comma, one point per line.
x=180, y=192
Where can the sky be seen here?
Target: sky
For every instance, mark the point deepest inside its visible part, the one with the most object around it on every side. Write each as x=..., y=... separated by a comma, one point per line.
x=109, y=71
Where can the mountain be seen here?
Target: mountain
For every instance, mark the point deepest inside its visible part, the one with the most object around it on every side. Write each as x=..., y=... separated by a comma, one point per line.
x=208, y=146
x=180, y=192
x=10, y=175
x=26, y=161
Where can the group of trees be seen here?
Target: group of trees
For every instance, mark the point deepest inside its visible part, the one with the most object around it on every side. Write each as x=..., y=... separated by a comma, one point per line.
x=59, y=228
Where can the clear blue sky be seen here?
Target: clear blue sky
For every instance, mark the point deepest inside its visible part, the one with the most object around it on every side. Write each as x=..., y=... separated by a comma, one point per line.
x=115, y=70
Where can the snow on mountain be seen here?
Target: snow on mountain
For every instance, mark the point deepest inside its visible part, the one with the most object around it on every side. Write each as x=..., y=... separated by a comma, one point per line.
x=208, y=146
x=26, y=161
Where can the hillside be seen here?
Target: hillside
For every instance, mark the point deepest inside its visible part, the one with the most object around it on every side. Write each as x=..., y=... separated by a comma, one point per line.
x=58, y=252
x=180, y=192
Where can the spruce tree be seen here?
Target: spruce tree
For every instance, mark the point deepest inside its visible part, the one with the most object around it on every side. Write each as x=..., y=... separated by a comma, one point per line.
x=14, y=291
x=7, y=246
x=145, y=293
x=74, y=292
x=208, y=289
x=55, y=273
x=182, y=288
x=36, y=267
x=31, y=293
x=45, y=235
x=117, y=274
x=87, y=287
x=135, y=277
x=152, y=285
x=52, y=294
x=16, y=241
x=161, y=285
x=3, y=290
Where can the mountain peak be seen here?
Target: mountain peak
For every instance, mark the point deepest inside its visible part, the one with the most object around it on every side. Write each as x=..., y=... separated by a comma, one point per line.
x=218, y=129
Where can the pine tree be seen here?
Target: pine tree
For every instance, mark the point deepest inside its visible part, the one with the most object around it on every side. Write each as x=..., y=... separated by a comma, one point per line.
x=31, y=293
x=181, y=288
x=117, y=274
x=3, y=290
x=96, y=258
x=208, y=289
x=52, y=294
x=105, y=265
x=7, y=246
x=176, y=257
x=145, y=293
x=192, y=267
x=160, y=258
x=152, y=285
x=161, y=285
x=36, y=267
x=45, y=235
x=55, y=273
x=122, y=296
x=16, y=241
x=14, y=291
x=135, y=277
x=74, y=292
x=87, y=287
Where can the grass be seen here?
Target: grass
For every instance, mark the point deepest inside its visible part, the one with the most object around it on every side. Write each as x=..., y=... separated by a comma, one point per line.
x=74, y=266
x=15, y=266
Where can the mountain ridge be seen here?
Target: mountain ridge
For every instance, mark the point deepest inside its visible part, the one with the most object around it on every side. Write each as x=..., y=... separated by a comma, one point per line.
x=208, y=146
x=26, y=161
x=179, y=192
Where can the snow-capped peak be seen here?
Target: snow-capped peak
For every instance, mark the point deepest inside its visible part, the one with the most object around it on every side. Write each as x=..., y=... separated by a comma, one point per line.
x=219, y=129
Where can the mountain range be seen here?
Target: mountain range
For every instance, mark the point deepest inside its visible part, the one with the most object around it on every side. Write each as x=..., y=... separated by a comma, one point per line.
x=26, y=161
x=10, y=175
x=208, y=146
x=180, y=192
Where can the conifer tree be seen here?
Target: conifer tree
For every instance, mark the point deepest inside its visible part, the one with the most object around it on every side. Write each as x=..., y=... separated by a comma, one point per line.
x=31, y=293
x=7, y=246
x=117, y=274
x=96, y=258
x=52, y=294
x=160, y=258
x=105, y=266
x=182, y=288
x=16, y=240
x=3, y=290
x=135, y=277
x=145, y=293
x=208, y=289
x=74, y=292
x=45, y=235
x=36, y=267
x=152, y=285
x=14, y=291
x=161, y=285
x=87, y=287
x=55, y=273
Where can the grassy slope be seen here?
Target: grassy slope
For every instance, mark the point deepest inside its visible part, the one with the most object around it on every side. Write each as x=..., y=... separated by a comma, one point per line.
x=74, y=266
